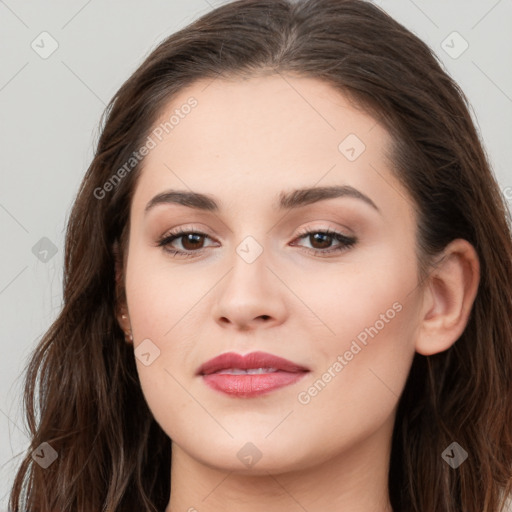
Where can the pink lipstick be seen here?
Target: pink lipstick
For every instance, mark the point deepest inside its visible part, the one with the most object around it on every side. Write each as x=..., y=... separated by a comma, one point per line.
x=251, y=375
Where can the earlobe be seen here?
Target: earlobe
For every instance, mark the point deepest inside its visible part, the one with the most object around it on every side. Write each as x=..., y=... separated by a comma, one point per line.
x=124, y=321
x=449, y=295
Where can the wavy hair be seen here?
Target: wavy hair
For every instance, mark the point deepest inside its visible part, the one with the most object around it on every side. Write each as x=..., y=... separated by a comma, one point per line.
x=82, y=394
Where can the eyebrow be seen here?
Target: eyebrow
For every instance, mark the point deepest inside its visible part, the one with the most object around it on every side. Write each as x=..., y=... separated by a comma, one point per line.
x=287, y=200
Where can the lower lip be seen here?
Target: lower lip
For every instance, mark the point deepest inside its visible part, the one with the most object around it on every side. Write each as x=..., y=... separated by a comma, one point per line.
x=251, y=385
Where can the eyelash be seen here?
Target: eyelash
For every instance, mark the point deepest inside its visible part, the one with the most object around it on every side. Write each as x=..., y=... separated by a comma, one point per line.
x=346, y=242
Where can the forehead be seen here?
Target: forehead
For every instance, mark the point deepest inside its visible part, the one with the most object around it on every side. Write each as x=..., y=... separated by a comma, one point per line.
x=265, y=116
x=259, y=136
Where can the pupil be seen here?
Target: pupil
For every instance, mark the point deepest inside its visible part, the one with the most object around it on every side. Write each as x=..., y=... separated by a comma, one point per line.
x=193, y=239
x=326, y=239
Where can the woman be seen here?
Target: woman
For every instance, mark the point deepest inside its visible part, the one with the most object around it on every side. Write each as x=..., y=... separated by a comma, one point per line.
x=288, y=283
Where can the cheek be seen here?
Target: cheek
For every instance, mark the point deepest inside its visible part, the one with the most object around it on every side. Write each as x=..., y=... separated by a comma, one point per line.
x=167, y=303
x=161, y=295
x=369, y=299
x=364, y=354
x=161, y=310
x=356, y=386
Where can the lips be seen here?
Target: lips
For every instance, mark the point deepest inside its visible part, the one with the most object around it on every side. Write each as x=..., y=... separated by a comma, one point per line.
x=252, y=375
x=232, y=361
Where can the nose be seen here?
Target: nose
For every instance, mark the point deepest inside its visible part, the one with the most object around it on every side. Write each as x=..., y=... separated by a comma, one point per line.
x=250, y=296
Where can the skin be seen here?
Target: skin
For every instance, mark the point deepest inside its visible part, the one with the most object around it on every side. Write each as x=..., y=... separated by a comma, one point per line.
x=246, y=142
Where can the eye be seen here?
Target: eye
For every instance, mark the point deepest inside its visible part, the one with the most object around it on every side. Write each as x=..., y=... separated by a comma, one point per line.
x=191, y=241
x=321, y=241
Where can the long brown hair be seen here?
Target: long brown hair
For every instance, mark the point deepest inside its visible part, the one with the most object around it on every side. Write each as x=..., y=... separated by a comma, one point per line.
x=112, y=455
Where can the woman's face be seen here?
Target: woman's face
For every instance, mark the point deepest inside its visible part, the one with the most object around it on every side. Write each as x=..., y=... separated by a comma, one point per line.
x=250, y=281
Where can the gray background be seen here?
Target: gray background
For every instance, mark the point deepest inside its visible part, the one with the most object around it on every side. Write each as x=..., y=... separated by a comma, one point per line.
x=50, y=111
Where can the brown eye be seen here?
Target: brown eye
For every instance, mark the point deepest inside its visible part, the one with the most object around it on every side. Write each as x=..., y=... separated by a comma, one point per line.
x=321, y=241
x=191, y=241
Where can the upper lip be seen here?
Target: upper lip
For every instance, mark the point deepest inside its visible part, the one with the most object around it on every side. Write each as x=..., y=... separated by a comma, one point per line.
x=230, y=360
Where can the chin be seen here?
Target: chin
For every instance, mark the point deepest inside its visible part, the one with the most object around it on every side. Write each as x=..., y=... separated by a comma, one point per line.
x=252, y=455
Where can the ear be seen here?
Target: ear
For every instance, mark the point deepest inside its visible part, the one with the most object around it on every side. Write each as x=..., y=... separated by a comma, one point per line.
x=449, y=294
x=121, y=307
